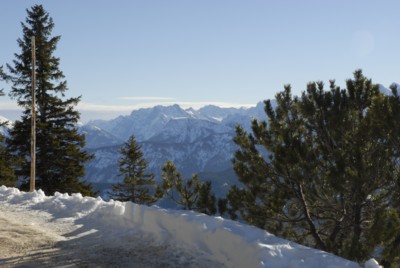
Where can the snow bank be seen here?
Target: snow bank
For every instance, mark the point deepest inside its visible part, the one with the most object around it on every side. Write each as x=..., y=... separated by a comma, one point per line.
x=225, y=241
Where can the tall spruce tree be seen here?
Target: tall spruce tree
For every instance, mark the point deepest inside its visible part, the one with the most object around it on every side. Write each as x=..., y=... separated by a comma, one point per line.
x=324, y=170
x=60, y=155
x=137, y=186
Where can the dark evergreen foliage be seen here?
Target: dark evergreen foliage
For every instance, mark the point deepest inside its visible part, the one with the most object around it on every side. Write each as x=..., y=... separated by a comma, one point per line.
x=7, y=174
x=137, y=185
x=2, y=77
x=60, y=155
x=189, y=194
x=332, y=172
x=206, y=201
x=7, y=165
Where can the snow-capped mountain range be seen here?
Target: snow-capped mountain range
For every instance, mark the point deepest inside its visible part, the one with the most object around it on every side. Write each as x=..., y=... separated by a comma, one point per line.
x=148, y=123
x=197, y=141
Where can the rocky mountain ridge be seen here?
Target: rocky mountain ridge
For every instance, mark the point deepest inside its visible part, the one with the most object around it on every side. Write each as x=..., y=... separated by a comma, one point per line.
x=197, y=141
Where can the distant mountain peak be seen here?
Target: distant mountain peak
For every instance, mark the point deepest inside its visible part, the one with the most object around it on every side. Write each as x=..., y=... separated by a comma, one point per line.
x=387, y=90
x=3, y=119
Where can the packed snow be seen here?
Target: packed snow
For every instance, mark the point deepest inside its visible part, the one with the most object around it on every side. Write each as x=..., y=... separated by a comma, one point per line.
x=71, y=230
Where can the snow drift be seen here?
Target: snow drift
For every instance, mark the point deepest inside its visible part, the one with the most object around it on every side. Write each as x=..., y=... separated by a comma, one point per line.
x=224, y=241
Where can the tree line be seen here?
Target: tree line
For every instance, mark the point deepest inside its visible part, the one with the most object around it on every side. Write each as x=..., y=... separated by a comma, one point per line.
x=323, y=169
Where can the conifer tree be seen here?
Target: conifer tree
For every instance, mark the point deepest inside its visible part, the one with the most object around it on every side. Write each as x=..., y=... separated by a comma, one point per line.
x=2, y=77
x=206, y=202
x=137, y=186
x=7, y=175
x=387, y=224
x=60, y=155
x=189, y=194
x=324, y=170
x=7, y=163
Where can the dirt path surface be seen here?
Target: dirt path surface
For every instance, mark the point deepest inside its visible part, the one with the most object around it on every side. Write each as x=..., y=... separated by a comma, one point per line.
x=34, y=239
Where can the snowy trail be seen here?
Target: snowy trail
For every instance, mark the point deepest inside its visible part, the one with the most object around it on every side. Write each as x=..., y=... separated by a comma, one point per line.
x=74, y=231
x=21, y=242
x=34, y=239
x=25, y=238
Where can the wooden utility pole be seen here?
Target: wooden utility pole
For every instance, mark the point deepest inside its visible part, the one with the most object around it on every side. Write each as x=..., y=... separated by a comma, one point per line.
x=33, y=120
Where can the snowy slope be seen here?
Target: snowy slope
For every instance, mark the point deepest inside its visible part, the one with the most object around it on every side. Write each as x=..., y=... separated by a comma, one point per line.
x=3, y=119
x=213, y=241
x=188, y=130
x=143, y=123
x=387, y=90
x=8, y=124
x=96, y=137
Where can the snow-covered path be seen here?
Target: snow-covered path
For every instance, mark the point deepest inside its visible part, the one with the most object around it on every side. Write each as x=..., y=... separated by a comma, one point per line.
x=21, y=243
x=74, y=231
x=35, y=239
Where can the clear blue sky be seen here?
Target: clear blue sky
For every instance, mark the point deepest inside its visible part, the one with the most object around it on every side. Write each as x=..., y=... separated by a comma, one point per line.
x=120, y=55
